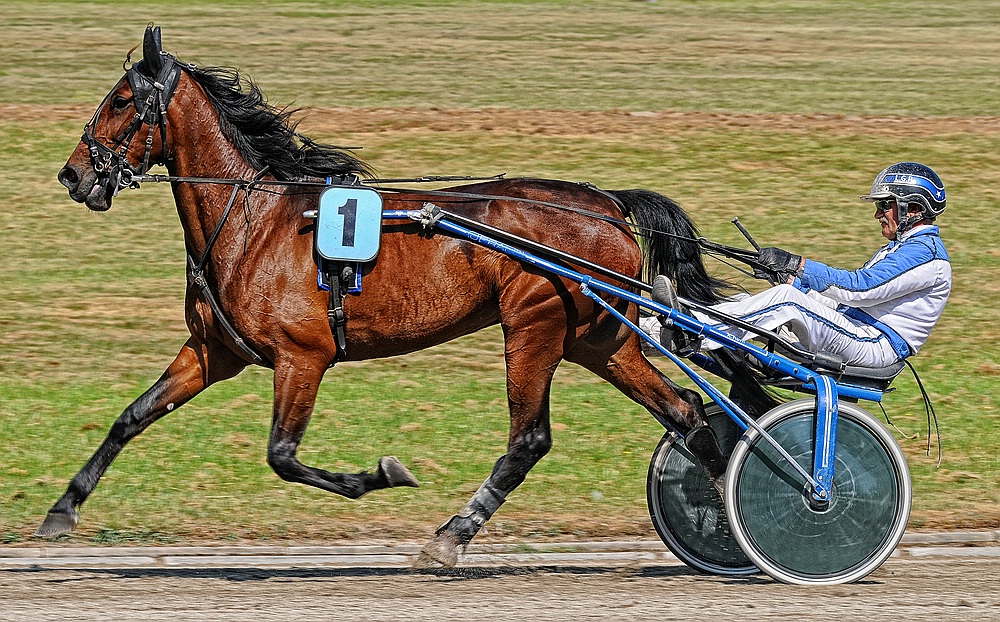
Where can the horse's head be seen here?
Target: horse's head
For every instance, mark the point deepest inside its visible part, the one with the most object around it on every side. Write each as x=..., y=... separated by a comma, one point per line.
x=107, y=159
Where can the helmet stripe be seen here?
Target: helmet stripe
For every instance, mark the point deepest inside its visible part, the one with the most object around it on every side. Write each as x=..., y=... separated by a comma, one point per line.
x=907, y=179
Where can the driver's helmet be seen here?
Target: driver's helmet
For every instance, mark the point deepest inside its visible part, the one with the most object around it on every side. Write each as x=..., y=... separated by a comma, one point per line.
x=909, y=182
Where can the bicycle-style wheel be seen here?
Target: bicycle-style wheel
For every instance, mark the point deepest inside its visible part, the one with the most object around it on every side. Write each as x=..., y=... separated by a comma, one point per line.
x=796, y=541
x=686, y=509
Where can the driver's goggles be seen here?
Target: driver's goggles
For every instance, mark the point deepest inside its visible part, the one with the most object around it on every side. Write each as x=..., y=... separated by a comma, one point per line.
x=884, y=205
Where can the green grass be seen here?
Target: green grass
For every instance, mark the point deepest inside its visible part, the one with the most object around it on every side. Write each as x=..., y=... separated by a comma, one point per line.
x=778, y=56
x=779, y=112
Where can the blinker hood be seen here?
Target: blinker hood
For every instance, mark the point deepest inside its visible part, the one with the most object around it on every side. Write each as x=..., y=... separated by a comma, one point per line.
x=155, y=71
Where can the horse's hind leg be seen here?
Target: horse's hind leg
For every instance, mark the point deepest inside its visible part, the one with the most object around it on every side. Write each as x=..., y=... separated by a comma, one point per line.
x=296, y=383
x=195, y=367
x=633, y=375
x=530, y=367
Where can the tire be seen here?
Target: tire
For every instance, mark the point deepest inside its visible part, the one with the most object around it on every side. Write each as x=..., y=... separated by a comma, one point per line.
x=791, y=539
x=685, y=507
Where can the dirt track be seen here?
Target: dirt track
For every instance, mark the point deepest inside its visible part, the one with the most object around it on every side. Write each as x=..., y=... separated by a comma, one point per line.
x=903, y=589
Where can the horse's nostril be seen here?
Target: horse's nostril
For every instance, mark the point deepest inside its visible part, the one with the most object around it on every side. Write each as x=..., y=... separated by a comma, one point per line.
x=68, y=177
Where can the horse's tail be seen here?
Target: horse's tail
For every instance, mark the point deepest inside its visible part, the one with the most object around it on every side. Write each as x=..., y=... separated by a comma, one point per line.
x=670, y=245
x=671, y=249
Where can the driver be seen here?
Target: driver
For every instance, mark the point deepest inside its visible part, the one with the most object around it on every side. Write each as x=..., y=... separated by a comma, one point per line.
x=874, y=316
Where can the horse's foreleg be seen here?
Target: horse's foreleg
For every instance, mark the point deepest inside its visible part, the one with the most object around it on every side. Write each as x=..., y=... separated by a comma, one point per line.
x=529, y=378
x=188, y=375
x=296, y=384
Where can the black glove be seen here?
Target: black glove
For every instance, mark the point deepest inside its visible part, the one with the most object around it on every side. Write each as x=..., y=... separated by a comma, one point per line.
x=777, y=265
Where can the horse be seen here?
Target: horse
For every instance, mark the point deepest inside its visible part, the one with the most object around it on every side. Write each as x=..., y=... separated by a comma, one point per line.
x=256, y=300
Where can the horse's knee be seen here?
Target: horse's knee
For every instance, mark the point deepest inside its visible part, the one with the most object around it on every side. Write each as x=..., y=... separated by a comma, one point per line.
x=139, y=414
x=281, y=457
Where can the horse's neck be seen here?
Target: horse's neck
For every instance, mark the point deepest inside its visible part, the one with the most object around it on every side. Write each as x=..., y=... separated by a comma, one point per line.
x=207, y=154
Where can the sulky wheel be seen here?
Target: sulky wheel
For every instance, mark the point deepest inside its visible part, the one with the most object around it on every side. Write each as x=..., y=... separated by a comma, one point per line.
x=686, y=509
x=797, y=541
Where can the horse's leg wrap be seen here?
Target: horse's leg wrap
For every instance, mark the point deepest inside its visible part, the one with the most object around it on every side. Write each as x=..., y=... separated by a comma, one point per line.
x=459, y=530
x=702, y=442
x=467, y=523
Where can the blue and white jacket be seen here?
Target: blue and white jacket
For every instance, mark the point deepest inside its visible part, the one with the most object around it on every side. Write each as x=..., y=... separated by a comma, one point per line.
x=901, y=290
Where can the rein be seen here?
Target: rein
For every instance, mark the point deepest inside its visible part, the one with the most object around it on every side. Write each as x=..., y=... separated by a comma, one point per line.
x=138, y=179
x=156, y=95
x=713, y=249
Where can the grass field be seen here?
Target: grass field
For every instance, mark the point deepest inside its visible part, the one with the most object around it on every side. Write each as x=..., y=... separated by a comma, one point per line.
x=779, y=112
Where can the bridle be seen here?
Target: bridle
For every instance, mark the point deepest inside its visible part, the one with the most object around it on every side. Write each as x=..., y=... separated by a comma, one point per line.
x=150, y=95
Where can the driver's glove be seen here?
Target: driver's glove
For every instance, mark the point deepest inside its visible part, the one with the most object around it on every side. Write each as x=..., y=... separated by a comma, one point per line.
x=777, y=265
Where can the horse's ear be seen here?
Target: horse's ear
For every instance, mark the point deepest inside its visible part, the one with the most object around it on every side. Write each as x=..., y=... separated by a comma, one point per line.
x=151, y=47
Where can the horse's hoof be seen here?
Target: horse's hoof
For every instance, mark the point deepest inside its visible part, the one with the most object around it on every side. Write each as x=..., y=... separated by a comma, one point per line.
x=395, y=473
x=441, y=552
x=57, y=524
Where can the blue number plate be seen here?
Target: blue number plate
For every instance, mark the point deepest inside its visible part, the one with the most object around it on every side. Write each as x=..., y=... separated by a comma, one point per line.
x=349, y=225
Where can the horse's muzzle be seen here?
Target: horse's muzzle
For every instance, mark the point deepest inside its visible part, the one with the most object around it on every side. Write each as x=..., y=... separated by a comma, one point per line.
x=86, y=188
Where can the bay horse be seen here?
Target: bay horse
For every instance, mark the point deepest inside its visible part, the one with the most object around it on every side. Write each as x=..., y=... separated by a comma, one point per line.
x=422, y=289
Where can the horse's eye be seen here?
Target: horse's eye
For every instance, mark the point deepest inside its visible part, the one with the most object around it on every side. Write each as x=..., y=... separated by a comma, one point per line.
x=119, y=102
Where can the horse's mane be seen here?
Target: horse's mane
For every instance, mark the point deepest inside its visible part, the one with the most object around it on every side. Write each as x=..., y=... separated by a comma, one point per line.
x=265, y=135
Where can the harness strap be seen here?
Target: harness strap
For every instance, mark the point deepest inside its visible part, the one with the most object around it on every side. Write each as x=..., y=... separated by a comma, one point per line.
x=476, y=196
x=196, y=275
x=431, y=213
x=334, y=275
x=218, y=227
x=198, y=279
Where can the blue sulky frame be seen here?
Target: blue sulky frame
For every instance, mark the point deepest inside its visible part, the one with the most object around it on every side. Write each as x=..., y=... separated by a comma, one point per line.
x=827, y=391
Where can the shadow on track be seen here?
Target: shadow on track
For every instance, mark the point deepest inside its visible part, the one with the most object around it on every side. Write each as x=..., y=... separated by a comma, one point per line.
x=453, y=574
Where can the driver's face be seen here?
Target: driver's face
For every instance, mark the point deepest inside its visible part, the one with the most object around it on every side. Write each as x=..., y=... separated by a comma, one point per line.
x=887, y=214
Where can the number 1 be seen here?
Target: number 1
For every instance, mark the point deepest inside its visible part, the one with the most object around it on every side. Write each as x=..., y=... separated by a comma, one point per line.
x=349, y=211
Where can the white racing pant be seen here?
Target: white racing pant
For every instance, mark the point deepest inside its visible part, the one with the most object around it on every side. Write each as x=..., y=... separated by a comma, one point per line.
x=816, y=325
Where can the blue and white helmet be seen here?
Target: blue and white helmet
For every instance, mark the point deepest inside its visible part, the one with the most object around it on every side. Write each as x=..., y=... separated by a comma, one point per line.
x=909, y=182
